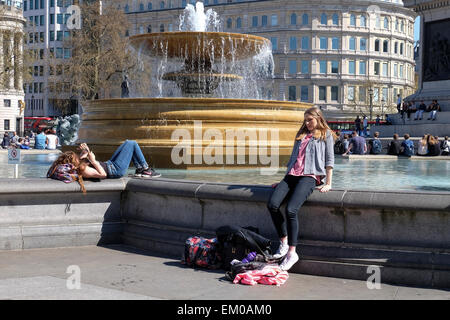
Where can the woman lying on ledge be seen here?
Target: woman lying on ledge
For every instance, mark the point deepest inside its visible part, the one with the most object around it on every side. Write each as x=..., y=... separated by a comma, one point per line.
x=85, y=165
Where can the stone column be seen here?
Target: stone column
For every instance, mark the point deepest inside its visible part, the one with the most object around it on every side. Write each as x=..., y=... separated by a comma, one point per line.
x=19, y=63
x=10, y=76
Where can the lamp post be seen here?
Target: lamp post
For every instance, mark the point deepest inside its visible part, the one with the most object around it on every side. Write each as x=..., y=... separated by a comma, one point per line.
x=371, y=103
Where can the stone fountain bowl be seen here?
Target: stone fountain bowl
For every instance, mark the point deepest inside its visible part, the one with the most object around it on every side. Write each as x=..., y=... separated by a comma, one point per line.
x=152, y=122
x=191, y=45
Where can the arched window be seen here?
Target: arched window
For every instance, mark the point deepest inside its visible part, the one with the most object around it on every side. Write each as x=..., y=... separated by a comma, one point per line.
x=239, y=23
x=305, y=19
x=161, y=28
x=229, y=23
x=335, y=19
x=141, y=7
x=162, y=5
x=362, y=21
x=323, y=19
x=149, y=29
x=293, y=19
x=353, y=20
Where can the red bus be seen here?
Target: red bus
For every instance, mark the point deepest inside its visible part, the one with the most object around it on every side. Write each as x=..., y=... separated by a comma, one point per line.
x=35, y=123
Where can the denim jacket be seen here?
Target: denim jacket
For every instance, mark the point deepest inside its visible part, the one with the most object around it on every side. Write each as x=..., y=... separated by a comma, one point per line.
x=319, y=155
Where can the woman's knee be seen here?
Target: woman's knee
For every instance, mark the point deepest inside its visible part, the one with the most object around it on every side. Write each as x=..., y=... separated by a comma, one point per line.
x=272, y=207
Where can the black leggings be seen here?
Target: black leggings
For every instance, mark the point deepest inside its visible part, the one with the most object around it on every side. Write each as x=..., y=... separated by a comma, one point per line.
x=296, y=190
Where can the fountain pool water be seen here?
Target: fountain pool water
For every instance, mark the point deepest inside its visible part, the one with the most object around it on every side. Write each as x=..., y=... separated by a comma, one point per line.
x=373, y=175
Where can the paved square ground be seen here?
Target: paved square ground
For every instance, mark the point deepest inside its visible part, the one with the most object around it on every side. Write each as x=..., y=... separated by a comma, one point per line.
x=123, y=273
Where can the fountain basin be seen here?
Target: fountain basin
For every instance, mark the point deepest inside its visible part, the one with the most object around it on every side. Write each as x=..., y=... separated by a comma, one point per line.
x=156, y=124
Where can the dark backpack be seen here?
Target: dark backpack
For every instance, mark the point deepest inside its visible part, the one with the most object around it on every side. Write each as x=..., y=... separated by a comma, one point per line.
x=376, y=146
x=201, y=252
x=339, y=147
x=236, y=243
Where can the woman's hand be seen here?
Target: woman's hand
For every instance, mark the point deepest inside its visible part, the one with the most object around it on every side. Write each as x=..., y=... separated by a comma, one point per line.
x=325, y=188
x=91, y=157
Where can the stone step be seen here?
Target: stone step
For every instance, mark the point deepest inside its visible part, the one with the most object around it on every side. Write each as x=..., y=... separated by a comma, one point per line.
x=427, y=267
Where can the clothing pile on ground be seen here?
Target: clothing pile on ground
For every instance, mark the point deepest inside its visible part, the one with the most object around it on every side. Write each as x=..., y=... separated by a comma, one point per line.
x=242, y=252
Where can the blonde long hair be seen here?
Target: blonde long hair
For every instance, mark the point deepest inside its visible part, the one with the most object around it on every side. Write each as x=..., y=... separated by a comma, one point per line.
x=321, y=129
x=72, y=158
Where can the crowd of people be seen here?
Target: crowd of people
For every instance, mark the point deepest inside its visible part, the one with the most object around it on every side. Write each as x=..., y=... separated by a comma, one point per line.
x=44, y=139
x=418, y=109
x=429, y=145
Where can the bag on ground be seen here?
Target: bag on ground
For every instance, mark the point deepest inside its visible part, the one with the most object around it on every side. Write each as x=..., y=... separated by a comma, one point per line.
x=201, y=252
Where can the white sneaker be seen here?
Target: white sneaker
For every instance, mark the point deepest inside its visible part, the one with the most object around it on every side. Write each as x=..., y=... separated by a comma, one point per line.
x=289, y=261
x=282, y=250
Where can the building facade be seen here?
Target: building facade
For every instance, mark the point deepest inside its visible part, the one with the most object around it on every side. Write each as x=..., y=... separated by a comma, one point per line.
x=45, y=34
x=11, y=61
x=348, y=57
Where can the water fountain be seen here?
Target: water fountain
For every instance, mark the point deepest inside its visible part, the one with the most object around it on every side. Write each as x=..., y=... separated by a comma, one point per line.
x=214, y=73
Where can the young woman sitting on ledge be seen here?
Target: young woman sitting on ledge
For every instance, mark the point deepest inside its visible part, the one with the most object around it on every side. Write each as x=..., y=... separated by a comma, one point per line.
x=86, y=166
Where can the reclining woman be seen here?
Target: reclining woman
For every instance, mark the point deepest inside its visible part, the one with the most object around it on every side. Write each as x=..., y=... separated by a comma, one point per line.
x=311, y=160
x=86, y=165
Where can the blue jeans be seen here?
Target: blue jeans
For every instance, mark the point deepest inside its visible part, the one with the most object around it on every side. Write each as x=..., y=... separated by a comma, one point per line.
x=120, y=160
x=296, y=190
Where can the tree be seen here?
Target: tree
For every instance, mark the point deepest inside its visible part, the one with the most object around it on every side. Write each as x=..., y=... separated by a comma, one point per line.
x=100, y=55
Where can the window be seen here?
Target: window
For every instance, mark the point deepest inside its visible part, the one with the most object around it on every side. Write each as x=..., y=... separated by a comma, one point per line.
x=292, y=93
x=323, y=43
x=377, y=45
x=351, y=67
x=6, y=121
x=334, y=93
x=305, y=43
x=141, y=7
x=385, y=69
x=322, y=93
x=385, y=46
x=60, y=18
x=274, y=20
x=305, y=66
x=149, y=29
x=229, y=23
x=161, y=28
x=239, y=23
x=335, y=19
x=293, y=43
x=254, y=21
x=293, y=19
x=264, y=21
x=335, y=67
x=304, y=96
x=376, y=94
x=149, y=6
x=362, y=67
x=362, y=21
x=274, y=41
x=323, y=19
x=376, y=68
x=377, y=22
x=7, y=103
x=395, y=70
x=362, y=44
x=386, y=23
x=401, y=48
x=362, y=94
x=351, y=93
x=352, y=44
x=335, y=43
x=323, y=66
x=292, y=66
x=401, y=72
x=353, y=20
x=384, y=94
x=305, y=19
x=161, y=5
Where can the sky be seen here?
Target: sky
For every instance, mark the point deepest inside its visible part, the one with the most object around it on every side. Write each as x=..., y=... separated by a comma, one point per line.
x=417, y=29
